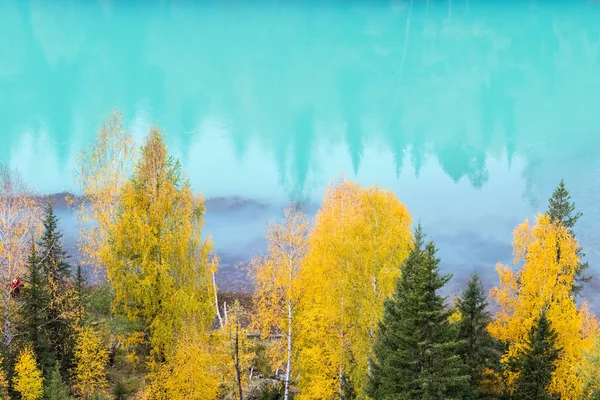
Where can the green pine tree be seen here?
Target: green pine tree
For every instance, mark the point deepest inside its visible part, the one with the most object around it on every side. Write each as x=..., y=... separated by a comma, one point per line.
x=56, y=272
x=52, y=254
x=55, y=388
x=36, y=303
x=415, y=351
x=479, y=351
x=561, y=209
x=535, y=365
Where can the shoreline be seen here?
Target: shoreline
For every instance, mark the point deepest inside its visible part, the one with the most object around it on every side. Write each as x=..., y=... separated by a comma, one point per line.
x=236, y=226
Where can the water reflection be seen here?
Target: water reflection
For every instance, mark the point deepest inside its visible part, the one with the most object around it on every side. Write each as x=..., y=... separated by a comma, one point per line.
x=484, y=80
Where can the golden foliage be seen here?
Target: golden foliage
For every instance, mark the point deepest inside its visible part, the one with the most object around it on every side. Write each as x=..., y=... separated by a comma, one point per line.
x=28, y=379
x=101, y=172
x=157, y=261
x=549, y=261
x=91, y=358
x=191, y=372
x=360, y=238
x=455, y=317
x=276, y=293
x=205, y=365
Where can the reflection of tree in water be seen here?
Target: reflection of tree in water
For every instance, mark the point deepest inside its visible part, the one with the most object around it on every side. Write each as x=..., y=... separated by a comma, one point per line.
x=417, y=152
x=458, y=88
x=458, y=159
x=302, y=149
x=530, y=172
x=478, y=173
x=351, y=88
x=396, y=141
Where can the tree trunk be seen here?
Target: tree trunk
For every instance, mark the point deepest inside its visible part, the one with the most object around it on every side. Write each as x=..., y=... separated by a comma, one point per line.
x=237, y=359
x=214, y=282
x=289, y=353
x=341, y=377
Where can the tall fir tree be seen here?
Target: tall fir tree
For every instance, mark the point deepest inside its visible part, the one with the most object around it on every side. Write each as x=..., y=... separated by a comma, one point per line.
x=479, y=351
x=56, y=272
x=535, y=365
x=561, y=209
x=52, y=254
x=415, y=350
x=36, y=303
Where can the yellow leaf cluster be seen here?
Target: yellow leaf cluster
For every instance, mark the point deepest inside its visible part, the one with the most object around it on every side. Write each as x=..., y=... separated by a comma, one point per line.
x=91, y=358
x=357, y=244
x=549, y=260
x=191, y=372
x=455, y=317
x=28, y=379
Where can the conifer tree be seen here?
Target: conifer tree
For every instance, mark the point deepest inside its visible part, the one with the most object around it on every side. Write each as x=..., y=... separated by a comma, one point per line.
x=36, y=303
x=56, y=389
x=91, y=359
x=28, y=379
x=56, y=272
x=53, y=255
x=535, y=364
x=561, y=209
x=414, y=355
x=478, y=350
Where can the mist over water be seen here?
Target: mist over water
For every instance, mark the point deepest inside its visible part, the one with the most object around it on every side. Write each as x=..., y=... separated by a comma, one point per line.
x=471, y=111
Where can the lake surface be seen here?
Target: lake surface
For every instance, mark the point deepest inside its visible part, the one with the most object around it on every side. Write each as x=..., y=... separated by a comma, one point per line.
x=471, y=111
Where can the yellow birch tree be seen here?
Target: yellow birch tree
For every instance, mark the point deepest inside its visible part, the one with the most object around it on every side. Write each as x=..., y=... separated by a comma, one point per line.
x=359, y=239
x=276, y=295
x=157, y=261
x=545, y=267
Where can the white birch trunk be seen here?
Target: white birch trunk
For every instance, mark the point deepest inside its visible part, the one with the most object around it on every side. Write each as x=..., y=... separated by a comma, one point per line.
x=217, y=300
x=289, y=353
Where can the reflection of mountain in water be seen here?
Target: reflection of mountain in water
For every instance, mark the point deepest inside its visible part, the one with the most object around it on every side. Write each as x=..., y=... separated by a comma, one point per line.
x=460, y=84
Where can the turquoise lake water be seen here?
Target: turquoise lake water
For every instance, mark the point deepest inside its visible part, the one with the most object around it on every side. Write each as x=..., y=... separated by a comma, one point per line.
x=471, y=111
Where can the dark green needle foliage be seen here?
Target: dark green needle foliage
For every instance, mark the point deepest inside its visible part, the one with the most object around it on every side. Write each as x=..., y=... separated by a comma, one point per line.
x=535, y=365
x=479, y=351
x=415, y=354
x=561, y=209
